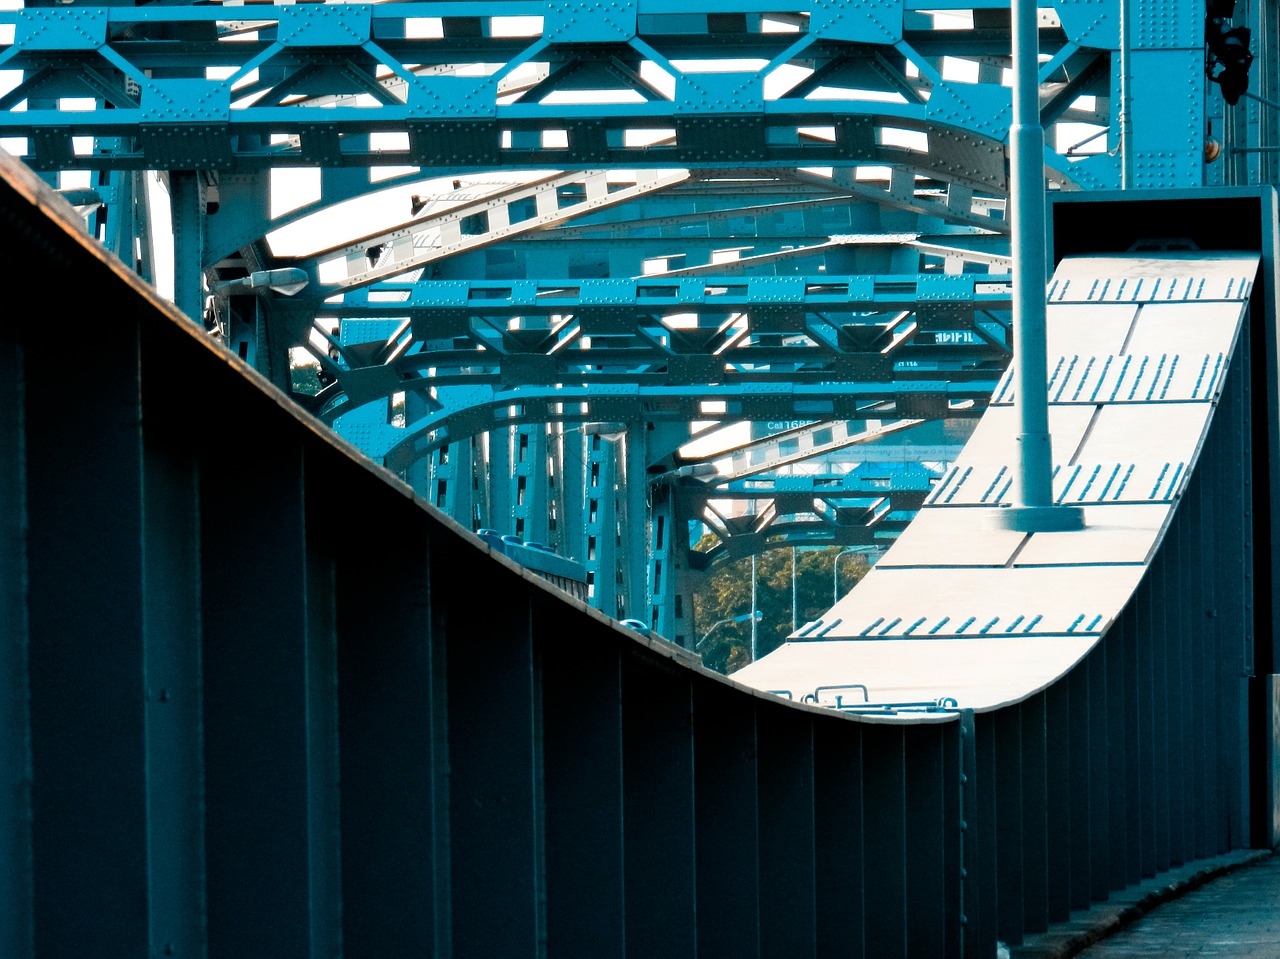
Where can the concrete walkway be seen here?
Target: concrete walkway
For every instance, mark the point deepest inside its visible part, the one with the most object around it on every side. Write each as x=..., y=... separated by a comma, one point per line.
x=1226, y=907
x=1236, y=916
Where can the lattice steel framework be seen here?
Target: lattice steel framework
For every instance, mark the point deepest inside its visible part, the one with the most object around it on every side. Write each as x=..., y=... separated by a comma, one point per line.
x=744, y=211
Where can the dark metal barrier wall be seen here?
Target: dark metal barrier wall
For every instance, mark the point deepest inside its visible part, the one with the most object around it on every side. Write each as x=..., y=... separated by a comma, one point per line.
x=257, y=701
x=1138, y=759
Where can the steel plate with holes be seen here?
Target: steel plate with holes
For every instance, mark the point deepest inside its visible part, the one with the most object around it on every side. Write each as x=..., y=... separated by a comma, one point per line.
x=965, y=612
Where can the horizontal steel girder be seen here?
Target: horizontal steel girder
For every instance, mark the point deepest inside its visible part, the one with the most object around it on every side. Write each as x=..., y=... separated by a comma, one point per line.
x=478, y=409
x=423, y=85
x=709, y=334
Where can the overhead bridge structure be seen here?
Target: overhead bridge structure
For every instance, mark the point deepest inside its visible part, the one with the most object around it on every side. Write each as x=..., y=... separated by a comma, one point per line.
x=263, y=691
x=610, y=227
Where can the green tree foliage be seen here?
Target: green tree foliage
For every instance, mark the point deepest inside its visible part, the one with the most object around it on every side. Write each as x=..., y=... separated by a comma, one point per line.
x=305, y=378
x=727, y=593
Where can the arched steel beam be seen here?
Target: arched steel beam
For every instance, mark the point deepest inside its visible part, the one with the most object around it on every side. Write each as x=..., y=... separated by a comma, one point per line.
x=489, y=408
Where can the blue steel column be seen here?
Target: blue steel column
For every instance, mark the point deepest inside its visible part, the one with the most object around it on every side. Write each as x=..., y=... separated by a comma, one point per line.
x=661, y=548
x=570, y=537
x=446, y=475
x=499, y=468
x=1034, y=510
x=633, y=501
x=601, y=523
x=529, y=477
x=188, y=243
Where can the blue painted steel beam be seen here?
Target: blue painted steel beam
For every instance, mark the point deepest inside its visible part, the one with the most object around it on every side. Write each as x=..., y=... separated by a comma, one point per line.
x=488, y=408
x=150, y=66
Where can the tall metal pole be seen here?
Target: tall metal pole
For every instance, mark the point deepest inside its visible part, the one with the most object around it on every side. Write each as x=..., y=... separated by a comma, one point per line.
x=1034, y=510
x=1126, y=99
x=793, y=589
x=754, y=605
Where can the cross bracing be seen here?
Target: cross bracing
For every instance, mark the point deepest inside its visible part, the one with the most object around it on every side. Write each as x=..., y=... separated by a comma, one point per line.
x=711, y=192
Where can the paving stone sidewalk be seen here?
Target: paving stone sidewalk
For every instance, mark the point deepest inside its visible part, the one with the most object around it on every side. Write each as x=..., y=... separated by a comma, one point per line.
x=1227, y=907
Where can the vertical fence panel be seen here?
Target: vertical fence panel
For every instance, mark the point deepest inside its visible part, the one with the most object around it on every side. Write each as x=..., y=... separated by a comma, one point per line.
x=1118, y=781
x=954, y=823
x=1075, y=779
x=787, y=907
x=983, y=855
x=1035, y=821
x=838, y=824
x=172, y=638
x=658, y=825
x=977, y=938
x=15, y=729
x=1062, y=833
x=582, y=786
x=884, y=812
x=1204, y=689
x=1009, y=858
x=492, y=763
x=1132, y=694
x=728, y=821
x=1143, y=733
x=86, y=658
x=930, y=824
x=257, y=742
x=1177, y=786
x=1164, y=643
x=387, y=692
x=1236, y=652
x=1101, y=763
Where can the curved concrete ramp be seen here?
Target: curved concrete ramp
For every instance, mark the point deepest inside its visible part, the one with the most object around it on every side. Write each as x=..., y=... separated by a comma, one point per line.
x=962, y=610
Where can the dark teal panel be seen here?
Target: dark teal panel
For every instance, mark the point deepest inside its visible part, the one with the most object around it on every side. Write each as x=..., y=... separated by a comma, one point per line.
x=581, y=684
x=787, y=907
x=658, y=823
x=485, y=618
x=728, y=822
x=391, y=824
x=86, y=680
x=839, y=862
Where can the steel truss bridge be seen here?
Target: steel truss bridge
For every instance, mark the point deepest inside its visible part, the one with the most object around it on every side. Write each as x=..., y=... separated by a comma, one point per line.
x=263, y=700
x=735, y=212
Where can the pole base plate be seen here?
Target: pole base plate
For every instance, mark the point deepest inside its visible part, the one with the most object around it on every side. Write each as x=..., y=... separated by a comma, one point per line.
x=1040, y=519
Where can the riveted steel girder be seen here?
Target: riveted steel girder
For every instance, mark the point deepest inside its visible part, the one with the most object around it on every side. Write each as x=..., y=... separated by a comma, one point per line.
x=516, y=83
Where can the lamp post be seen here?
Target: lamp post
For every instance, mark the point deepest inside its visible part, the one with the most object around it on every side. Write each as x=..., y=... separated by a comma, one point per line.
x=1033, y=510
x=755, y=615
x=835, y=568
